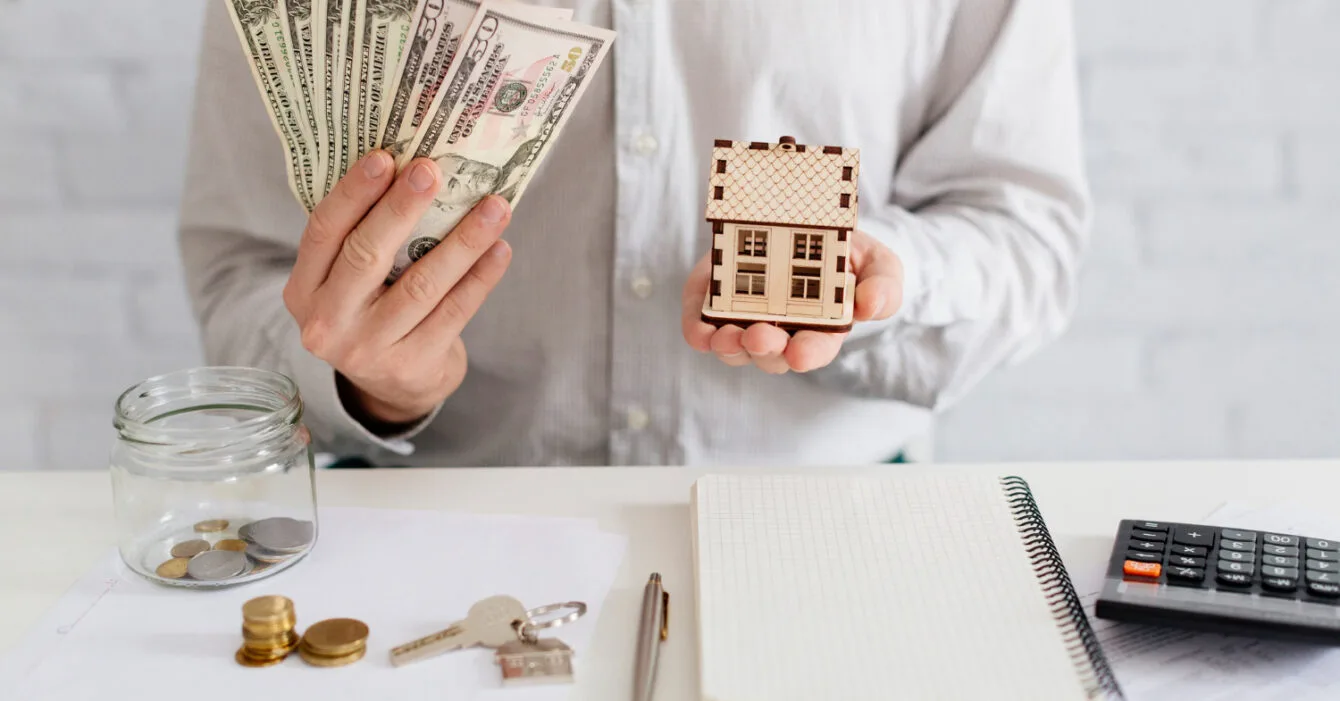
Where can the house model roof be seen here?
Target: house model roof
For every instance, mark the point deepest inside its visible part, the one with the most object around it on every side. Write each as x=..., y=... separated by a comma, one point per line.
x=783, y=183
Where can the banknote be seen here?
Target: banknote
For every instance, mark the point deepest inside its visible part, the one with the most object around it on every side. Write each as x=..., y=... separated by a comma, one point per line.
x=344, y=105
x=325, y=46
x=422, y=68
x=512, y=86
x=262, y=29
x=385, y=22
x=298, y=18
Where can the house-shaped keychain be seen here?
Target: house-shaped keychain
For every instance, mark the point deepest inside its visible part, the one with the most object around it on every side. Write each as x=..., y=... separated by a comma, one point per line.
x=781, y=217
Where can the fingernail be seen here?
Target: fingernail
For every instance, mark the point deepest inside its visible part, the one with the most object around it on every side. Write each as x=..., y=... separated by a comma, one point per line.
x=879, y=304
x=499, y=249
x=492, y=210
x=421, y=178
x=374, y=164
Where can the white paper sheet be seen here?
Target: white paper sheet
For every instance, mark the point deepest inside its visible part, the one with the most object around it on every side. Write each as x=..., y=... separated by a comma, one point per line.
x=404, y=573
x=1153, y=662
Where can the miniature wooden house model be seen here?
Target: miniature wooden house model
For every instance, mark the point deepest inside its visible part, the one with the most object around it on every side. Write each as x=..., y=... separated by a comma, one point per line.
x=546, y=661
x=782, y=215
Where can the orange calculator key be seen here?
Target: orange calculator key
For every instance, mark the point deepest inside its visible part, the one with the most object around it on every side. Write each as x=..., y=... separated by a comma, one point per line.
x=1142, y=569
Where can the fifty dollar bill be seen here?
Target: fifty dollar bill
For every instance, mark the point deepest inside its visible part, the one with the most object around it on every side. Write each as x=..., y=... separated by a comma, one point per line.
x=436, y=30
x=513, y=84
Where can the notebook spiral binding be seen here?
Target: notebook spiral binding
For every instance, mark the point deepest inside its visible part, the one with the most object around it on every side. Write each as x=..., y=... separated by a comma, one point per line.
x=1079, y=638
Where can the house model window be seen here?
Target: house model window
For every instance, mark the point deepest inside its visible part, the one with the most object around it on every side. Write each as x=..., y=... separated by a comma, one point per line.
x=751, y=279
x=804, y=198
x=753, y=242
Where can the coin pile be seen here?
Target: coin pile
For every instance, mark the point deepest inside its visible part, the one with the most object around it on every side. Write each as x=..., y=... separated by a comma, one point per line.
x=334, y=642
x=268, y=634
x=210, y=553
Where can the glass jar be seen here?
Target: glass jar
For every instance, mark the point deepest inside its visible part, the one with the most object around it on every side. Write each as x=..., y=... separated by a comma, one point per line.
x=213, y=477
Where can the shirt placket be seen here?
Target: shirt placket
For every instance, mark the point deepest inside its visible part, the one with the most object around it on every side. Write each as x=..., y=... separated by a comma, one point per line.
x=642, y=396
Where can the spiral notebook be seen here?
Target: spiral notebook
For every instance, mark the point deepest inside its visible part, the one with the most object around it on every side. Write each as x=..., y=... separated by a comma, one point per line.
x=885, y=587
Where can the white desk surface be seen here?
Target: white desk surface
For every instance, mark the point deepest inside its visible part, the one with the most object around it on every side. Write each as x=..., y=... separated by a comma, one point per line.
x=54, y=527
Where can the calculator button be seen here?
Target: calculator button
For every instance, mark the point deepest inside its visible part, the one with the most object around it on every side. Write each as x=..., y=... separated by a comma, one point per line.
x=1326, y=577
x=1185, y=575
x=1282, y=550
x=1322, y=544
x=1144, y=557
x=1277, y=539
x=1237, y=556
x=1242, y=567
x=1145, y=545
x=1234, y=579
x=1142, y=569
x=1278, y=561
x=1280, y=583
x=1323, y=589
x=1314, y=554
x=1193, y=535
x=1237, y=545
x=1230, y=534
x=1273, y=571
x=1323, y=566
x=1193, y=550
x=1149, y=535
x=1152, y=526
x=1185, y=561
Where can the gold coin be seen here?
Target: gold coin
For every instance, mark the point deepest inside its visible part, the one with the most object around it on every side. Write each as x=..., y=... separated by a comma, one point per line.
x=317, y=660
x=189, y=548
x=267, y=608
x=211, y=526
x=285, y=641
x=248, y=661
x=334, y=637
x=174, y=568
x=278, y=627
x=231, y=544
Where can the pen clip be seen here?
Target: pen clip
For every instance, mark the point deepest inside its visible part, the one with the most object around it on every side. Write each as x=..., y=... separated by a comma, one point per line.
x=665, y=615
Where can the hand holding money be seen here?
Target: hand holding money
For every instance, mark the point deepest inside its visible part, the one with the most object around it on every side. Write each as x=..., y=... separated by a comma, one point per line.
x=398, y=346
x=482, y=87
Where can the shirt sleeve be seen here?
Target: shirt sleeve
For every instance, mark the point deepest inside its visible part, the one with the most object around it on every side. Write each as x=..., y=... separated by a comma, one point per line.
x=239, y=229
x=989, y=214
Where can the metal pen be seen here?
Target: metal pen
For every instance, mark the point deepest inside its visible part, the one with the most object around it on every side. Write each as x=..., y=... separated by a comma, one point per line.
x=654, y=628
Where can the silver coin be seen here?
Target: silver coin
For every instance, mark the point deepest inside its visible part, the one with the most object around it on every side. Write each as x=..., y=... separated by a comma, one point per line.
x=268, y=557
x=281, y=534
x=214, y=565
x=244, y=532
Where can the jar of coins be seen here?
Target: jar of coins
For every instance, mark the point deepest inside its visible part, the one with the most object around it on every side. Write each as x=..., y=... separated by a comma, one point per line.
x=213, y=477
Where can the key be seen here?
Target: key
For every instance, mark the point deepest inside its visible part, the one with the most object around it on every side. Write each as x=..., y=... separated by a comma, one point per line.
x=1194, y=535
x=490, y=622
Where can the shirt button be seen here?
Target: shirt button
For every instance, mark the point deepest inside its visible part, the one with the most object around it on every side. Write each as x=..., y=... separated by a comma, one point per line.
x=642, y=286
x=646, y=144
x=638, y=419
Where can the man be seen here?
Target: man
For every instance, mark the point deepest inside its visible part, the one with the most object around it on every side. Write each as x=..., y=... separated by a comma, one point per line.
x=581, y=323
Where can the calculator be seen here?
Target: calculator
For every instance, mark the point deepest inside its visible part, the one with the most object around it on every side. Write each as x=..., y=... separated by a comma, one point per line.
x=1227, y=580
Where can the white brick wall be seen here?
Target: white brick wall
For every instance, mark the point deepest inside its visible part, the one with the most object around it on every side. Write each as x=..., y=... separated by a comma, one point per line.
x=91, y=298
x=1207, y=325
x=1208, y=321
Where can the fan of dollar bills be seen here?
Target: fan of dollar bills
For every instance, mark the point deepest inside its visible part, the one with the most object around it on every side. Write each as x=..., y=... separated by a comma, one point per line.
x=483, y=88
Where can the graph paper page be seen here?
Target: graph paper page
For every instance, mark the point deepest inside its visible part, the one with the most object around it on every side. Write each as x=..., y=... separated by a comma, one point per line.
x=813, y=587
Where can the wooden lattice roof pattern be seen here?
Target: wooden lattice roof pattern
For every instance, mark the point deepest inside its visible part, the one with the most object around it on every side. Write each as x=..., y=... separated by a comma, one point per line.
x=783, y=183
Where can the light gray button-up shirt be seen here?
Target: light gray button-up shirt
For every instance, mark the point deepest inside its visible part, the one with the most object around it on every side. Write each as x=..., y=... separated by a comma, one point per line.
x=965, y=113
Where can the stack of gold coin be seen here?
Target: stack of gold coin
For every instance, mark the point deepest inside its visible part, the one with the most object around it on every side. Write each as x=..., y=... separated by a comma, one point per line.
x=334, y=642
x=268, y=634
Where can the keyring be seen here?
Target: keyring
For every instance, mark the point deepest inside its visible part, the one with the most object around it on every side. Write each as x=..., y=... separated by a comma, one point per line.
x=527, y=628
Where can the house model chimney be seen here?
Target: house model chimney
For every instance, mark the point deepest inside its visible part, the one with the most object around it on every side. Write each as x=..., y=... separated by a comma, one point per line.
x=788, y=143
